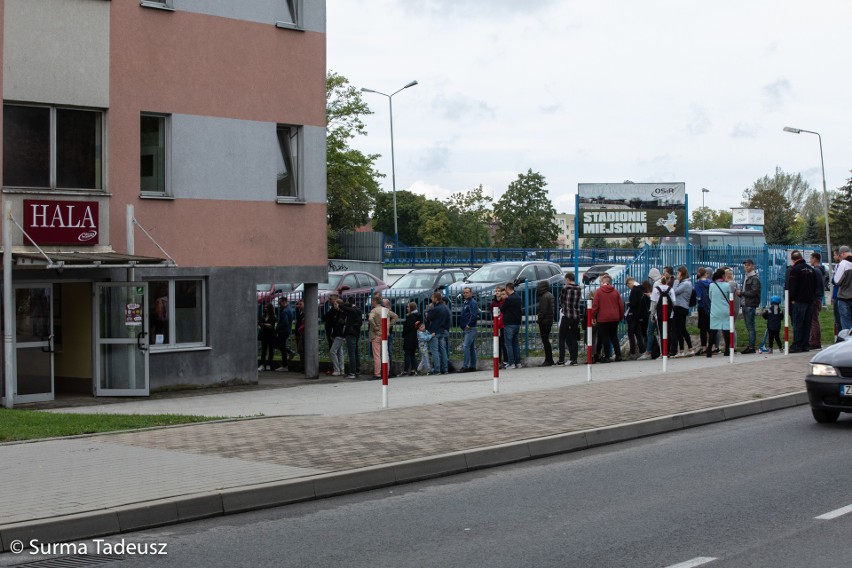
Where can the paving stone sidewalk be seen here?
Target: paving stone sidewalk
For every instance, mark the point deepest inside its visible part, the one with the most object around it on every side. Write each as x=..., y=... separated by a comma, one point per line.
x=63, y=477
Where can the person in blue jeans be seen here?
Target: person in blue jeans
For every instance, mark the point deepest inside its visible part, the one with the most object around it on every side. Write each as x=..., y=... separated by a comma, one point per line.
x=438, y=325
x=512, y=310
x=468, y=322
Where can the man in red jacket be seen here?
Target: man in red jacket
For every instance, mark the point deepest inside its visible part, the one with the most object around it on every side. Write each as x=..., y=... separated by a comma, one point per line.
x=607, y=311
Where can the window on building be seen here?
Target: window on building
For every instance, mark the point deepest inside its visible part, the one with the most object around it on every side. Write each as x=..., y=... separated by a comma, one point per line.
x=161, y=4
x=178, y=317
x=153, y=144
x=289, y=14
x=288, y=163
x=52, y=148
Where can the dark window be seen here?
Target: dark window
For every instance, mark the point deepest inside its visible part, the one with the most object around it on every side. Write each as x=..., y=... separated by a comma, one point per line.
x=152, y=145
x=78, y=149
x=288, y=144
x=26, y=146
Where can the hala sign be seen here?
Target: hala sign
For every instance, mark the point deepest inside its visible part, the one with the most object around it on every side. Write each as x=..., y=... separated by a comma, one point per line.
x=61, y=222
x=624, y=210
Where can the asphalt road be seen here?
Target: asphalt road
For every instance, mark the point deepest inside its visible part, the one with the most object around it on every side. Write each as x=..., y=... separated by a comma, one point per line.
x=745, y=493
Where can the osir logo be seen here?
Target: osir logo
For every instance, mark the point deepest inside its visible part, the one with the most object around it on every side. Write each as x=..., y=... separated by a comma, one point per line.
x=87, y=236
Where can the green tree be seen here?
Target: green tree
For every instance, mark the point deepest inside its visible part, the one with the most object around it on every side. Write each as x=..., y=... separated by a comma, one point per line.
x=434, y=228
x=840, y=216
x=525, y=214
x=352, y=180
x=468, y=214
x=595, y=243
x=770, y=194
x=712, y=219
x=410, y=208
x=810, y=233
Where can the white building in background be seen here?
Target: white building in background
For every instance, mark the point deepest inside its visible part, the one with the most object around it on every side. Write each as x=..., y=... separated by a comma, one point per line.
x=565, y=222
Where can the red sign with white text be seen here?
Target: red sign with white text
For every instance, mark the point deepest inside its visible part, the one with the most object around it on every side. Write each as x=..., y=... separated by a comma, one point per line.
x=61, y=222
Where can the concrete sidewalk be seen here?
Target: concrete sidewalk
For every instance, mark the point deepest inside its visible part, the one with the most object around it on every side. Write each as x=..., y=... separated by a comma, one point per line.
x=321, y=440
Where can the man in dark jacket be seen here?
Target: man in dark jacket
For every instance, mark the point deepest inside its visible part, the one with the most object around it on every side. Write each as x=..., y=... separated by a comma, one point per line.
x=800, y=284
x=352, y=332
x=409, y=339
x=512, y=311
x=544, y=311
x=750, y=295
x=438, y=324
x=635, y=333
x=468, y=323
x=815, y=341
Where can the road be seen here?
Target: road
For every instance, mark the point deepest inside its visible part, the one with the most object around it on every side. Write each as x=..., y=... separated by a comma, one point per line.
x=744, y=493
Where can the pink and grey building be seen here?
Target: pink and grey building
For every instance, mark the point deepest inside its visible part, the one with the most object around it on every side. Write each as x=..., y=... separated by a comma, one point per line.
x=160, y=158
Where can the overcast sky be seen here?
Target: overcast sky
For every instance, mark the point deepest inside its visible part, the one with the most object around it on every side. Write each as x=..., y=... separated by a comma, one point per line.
x=600, y=91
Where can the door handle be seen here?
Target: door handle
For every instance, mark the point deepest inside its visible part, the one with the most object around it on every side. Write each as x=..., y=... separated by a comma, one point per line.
x=49, y=348
x=139, y=337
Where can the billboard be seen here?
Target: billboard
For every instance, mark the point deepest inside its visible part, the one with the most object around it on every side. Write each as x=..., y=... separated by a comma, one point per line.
x=745, y=218
x=624, y=210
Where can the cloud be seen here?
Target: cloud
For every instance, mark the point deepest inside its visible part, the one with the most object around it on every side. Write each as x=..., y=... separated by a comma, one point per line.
x=457, y=107
x=698, y=122
x=434, y=159
x=774, y=94
x=431, y=191
x=478, y=8
x=744, y=130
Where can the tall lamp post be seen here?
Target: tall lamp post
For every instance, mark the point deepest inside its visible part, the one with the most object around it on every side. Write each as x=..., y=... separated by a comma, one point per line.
x=393, y=165
x=703, y=212
x=824, y=192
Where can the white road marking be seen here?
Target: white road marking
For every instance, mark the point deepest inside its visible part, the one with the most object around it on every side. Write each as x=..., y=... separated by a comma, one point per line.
x=692, y=563
x=835, y=513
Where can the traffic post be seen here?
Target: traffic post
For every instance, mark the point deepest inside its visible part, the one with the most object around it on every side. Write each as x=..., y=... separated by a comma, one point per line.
x=589, y=346
x=385, y=358
x=732, y=345
x=495, y=344
x=786, y=322
x=665, y=346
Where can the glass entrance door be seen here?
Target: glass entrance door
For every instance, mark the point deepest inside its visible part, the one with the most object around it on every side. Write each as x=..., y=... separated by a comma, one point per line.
x=34, y=342
x=121, y=346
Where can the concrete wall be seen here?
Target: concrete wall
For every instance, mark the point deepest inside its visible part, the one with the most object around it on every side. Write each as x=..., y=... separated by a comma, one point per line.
x=57, y=51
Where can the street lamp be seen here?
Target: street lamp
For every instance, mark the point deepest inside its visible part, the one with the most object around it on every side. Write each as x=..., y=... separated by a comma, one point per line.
x=393, y=165
x=824, y=192
x=703, y=212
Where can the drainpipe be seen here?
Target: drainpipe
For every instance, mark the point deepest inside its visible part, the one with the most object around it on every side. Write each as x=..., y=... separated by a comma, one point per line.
x=131, y=245
x=8, y=322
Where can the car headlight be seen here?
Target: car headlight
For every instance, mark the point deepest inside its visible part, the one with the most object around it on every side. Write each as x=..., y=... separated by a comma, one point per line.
x=821, y=370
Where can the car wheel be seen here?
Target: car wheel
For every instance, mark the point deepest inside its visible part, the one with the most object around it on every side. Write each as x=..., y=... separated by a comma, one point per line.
x=825, y=416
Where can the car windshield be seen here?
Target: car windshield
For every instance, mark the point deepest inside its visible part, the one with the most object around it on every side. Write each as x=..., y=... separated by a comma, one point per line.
x=494, y=273
x=333, y=280
x=415, y=280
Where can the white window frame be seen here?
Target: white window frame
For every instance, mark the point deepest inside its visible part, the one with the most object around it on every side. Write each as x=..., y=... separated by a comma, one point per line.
x=295, y=169
x=52, y=177
x=172, y=345
x=294, y=7
x=167, y=156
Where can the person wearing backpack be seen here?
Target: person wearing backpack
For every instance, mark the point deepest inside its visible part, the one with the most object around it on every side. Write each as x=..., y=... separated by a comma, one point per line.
x=662, y=288
x=685, y=298
x=702, y=295
x=720, y=315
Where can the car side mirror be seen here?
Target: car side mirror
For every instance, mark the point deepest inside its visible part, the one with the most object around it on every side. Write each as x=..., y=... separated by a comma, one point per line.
x=441, y=287
x=342, y=289
x=519, y=281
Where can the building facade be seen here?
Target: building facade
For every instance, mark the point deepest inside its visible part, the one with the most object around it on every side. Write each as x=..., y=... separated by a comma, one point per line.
x=565, y=222
x=160, y=158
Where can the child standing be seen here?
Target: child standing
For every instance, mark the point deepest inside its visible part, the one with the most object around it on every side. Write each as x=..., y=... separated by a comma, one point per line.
x=423, y=338
x=773, y=315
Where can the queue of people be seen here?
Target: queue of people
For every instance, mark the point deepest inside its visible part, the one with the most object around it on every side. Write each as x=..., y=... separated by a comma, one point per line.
x=427, y=334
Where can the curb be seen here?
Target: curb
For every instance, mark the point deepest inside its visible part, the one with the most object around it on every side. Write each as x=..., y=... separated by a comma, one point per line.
x=150, y=514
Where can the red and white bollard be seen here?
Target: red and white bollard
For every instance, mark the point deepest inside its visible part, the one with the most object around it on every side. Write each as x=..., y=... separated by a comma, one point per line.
x=665, y=342
x=385, y=358
x=495, y=342
x=786, y=322
x=732, y=340
x=589, y=346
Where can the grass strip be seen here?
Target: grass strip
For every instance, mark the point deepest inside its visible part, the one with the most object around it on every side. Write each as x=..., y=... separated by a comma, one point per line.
x=17, y=425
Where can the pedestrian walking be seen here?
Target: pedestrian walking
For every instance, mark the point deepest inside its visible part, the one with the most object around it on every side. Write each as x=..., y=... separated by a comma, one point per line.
x=544, y=312
x=468, y=322
x=801, y=284
x=607, y=311
x=750, y=301
x=720, y=314
x=569, y=320
x=683, y=290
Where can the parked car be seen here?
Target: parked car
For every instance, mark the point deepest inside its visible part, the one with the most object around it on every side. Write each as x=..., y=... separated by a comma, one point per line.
x=419, y=284
x=271, y=292
x=829, y=382
x=593, y=272
x=524, y=274
x=344, y=283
